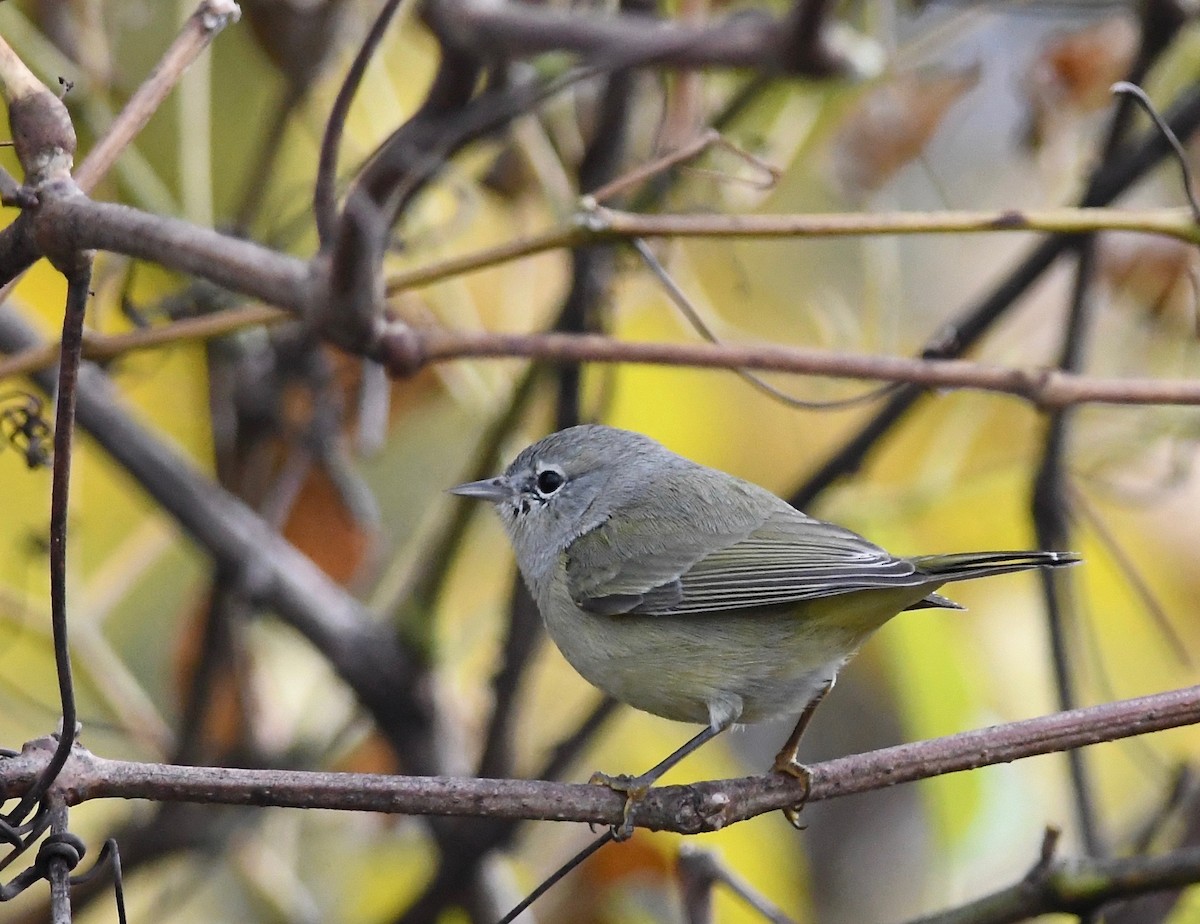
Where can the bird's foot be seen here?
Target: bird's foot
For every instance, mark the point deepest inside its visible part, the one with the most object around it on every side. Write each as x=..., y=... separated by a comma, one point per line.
x=786, y=763
x=634, y=788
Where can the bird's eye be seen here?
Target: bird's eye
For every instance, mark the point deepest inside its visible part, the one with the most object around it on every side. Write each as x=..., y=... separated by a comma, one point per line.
x=549, y=481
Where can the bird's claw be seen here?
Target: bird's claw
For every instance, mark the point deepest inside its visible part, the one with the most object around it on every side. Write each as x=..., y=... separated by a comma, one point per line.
x=787, y=764
x=634, y=788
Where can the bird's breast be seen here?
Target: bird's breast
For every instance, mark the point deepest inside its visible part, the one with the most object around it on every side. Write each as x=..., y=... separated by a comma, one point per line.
x=745, y=666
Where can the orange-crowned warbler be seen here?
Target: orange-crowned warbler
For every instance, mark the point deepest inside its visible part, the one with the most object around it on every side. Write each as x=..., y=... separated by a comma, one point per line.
x=697, y=596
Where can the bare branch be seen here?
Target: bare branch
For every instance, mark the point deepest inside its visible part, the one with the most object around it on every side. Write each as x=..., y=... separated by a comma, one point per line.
x=404, y=350
x=685, y=809
x=58, y=867
x=1049, y=493
x=73, y=222
x=1173, y=222
x=596, y=223
x=66, y=221
x=43, y=136
x=324, y=191
x=700, y=871
x=66, y=387
x=749, y=39
x=1077, y=886
x=208, y=19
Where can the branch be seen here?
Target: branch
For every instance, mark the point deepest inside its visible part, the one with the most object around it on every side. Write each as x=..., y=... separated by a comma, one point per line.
x=74, y=222
x=208, y=19
x=66, y=386
x=324, y=187
x=1077, y=886
x=593, y=223
x=748, y=39
x=405, y=349
x=1173, y=222
x=71, y=222
x=688, y=809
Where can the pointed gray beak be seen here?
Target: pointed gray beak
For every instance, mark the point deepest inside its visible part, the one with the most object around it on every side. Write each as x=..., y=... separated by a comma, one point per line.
x=490, y=489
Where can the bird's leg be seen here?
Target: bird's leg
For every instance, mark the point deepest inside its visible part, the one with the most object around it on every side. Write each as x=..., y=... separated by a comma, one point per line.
x=635, y=787
x=788, y=759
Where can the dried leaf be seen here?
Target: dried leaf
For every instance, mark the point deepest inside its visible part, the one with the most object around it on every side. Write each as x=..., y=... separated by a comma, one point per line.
x=893, y=123
x=1073, y=74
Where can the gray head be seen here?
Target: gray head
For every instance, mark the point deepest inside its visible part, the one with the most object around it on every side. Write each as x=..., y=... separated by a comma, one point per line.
x=567, y=484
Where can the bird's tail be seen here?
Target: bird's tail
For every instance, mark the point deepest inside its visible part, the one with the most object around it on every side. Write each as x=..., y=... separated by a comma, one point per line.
x=967, y=565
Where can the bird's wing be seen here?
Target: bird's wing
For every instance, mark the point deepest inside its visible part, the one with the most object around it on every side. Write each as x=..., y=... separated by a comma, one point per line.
x=639, y=568
x=785, y=559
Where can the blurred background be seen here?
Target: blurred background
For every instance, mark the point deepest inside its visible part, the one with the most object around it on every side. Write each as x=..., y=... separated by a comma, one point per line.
x=977, y=106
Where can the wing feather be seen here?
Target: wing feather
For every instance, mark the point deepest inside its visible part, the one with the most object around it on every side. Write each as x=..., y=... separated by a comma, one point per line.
x=784, y=558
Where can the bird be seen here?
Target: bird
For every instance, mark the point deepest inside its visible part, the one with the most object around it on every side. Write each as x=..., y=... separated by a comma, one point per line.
x=692, y=594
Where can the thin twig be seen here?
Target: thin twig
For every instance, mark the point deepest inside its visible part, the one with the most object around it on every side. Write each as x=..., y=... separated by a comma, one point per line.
x=209, y=18
x=550, y=881
x=630, y=178
x=1142, y=589
x=101, y=348
x=699, y=870
x=58, y=870
x=78, y=278
x=1050, y=496
x=1049, y=511
x=405, y=349
x=68, y=222
x=599, y=223
x=109, y=859
x=324, y=192
x=1181, y=156
x=1172, y=222
x=1077, y=886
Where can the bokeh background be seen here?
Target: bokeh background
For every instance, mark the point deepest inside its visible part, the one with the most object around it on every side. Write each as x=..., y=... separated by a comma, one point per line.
x=987, y=106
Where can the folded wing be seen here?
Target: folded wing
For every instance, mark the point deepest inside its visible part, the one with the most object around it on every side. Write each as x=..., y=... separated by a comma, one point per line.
x=785, y=558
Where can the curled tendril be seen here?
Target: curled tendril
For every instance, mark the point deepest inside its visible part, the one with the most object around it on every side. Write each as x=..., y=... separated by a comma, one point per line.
x=26, y=428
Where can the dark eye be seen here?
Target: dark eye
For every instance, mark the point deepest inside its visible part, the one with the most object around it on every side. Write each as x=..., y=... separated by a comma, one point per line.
x=549, y=481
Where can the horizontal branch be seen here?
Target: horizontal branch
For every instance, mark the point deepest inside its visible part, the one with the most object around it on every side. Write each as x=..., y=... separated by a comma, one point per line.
x=404, y=350
x=76, y=222
x=206, y=21
x=686, y=809
x=594, y=223
x=102, y=348
x=1172, y=222
x=750, y=39
x=1077, y=885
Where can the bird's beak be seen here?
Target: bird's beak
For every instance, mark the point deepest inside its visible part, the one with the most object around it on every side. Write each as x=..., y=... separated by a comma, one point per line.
x=490, y=489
